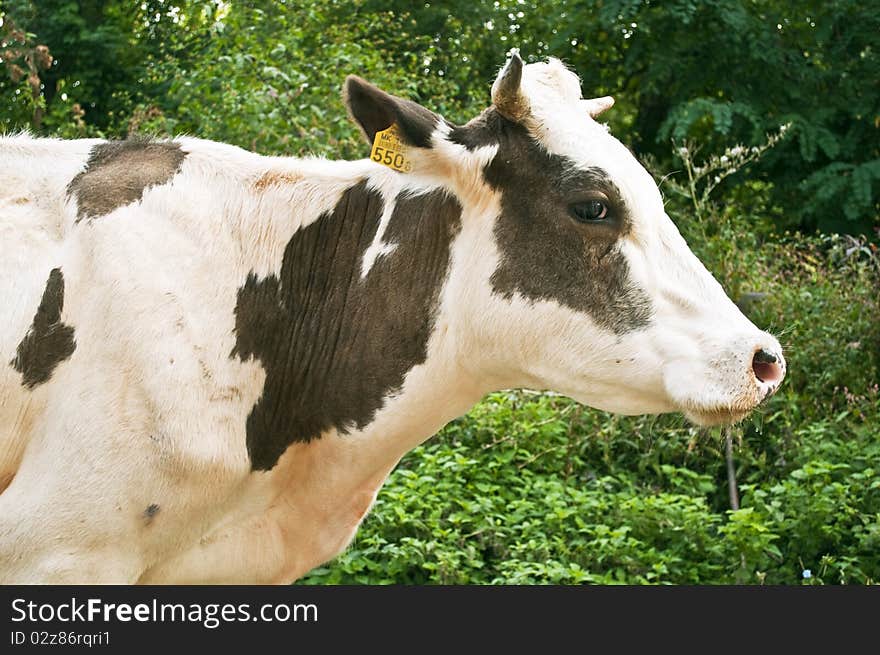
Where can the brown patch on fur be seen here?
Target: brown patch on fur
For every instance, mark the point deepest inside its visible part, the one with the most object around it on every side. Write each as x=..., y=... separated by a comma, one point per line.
x=6, y=480
x=276, y=178
x=225, y=394
x=334, y=345
x=545, y=253
x=150, y=513
x=48, y=342
x=118, y=172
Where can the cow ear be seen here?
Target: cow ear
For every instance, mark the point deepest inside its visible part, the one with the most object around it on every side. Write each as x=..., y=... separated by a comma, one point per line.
x=374, y=110
x=507, y=95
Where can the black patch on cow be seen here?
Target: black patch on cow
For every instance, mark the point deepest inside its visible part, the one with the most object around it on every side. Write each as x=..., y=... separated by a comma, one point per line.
x=334, y=345
x=150, y=513
x=48, y=341
x=118, y=172
x=374, y=111
x=545, y=254
x=484, y=130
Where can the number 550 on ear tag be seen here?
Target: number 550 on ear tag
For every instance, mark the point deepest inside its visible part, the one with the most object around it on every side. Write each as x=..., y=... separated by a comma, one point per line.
x=390, y=150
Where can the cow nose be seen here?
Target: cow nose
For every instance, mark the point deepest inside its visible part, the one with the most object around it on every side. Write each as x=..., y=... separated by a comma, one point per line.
x=768, y=367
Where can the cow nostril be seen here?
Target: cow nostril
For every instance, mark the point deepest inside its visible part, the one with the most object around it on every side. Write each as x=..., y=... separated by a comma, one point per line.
x=767, y=367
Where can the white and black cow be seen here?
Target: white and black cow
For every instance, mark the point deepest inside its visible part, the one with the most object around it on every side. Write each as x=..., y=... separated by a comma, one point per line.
x=210, y=360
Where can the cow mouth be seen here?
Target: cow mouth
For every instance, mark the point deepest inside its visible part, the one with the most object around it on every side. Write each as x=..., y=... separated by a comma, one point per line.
x=727, y=414
x=720, y=416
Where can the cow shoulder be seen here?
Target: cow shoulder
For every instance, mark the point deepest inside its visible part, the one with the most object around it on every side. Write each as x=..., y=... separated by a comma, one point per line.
x=336, y=338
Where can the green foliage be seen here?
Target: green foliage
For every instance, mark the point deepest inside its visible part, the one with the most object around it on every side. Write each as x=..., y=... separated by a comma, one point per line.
x=274, y=91
x=730, y=70
x=473, y=507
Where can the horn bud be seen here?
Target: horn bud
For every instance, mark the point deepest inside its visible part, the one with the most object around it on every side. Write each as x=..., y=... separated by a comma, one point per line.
x=596, y=106
x=507, y=95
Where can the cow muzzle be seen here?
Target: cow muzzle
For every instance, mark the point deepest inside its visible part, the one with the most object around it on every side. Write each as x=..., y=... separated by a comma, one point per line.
x=724, y=388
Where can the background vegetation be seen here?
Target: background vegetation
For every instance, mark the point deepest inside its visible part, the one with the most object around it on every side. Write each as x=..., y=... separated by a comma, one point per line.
x=530, y=487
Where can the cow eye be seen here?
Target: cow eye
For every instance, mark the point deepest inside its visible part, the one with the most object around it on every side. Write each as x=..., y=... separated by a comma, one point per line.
x=590, y=211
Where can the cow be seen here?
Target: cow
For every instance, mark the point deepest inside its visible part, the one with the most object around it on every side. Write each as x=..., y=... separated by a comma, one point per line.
x=211, y=360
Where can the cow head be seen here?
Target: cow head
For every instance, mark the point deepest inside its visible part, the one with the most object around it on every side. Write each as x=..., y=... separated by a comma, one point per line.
x=567, y=273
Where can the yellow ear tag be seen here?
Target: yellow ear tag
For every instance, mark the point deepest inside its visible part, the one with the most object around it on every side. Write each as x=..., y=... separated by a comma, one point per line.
x=390, y=150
